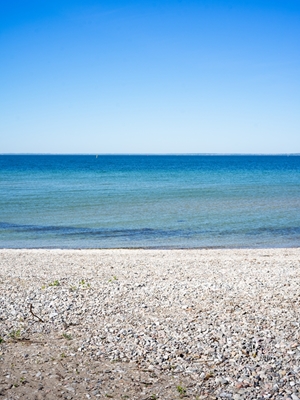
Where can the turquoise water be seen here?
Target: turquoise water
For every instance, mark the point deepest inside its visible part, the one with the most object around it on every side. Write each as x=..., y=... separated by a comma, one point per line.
x=149, y=201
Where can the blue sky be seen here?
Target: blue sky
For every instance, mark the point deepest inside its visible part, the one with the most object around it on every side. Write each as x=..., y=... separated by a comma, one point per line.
x=149, y=76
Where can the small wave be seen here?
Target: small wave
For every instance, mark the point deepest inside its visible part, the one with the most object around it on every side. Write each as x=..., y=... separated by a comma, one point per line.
x=139, y=233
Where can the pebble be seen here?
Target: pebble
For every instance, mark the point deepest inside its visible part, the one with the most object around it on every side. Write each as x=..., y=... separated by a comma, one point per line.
x=227, y=318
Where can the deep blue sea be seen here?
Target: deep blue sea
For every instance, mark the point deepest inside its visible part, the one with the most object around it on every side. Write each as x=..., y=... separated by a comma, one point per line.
x=88, y=201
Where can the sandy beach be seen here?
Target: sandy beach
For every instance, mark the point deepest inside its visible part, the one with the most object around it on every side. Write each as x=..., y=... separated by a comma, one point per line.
x=150, y=324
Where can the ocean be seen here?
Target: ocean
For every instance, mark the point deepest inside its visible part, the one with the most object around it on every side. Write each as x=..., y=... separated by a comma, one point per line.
x=149, y=201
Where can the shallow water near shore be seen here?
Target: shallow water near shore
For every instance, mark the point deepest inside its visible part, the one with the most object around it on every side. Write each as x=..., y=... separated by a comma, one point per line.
x=120, y=201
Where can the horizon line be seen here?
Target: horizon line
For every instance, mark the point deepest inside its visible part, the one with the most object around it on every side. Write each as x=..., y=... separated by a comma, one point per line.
x=150, y=154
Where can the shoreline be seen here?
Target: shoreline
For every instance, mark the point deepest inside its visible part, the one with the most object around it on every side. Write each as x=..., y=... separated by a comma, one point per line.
x=154, y=248
x=150, y=323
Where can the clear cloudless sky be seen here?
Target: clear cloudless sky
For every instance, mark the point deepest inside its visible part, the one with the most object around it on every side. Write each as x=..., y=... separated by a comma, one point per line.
x=167, y=76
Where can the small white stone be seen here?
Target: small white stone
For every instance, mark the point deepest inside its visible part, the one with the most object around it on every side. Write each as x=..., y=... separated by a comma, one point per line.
x=53, y=314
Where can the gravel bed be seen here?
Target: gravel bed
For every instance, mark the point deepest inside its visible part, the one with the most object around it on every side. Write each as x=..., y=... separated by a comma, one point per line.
x=150, y=324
